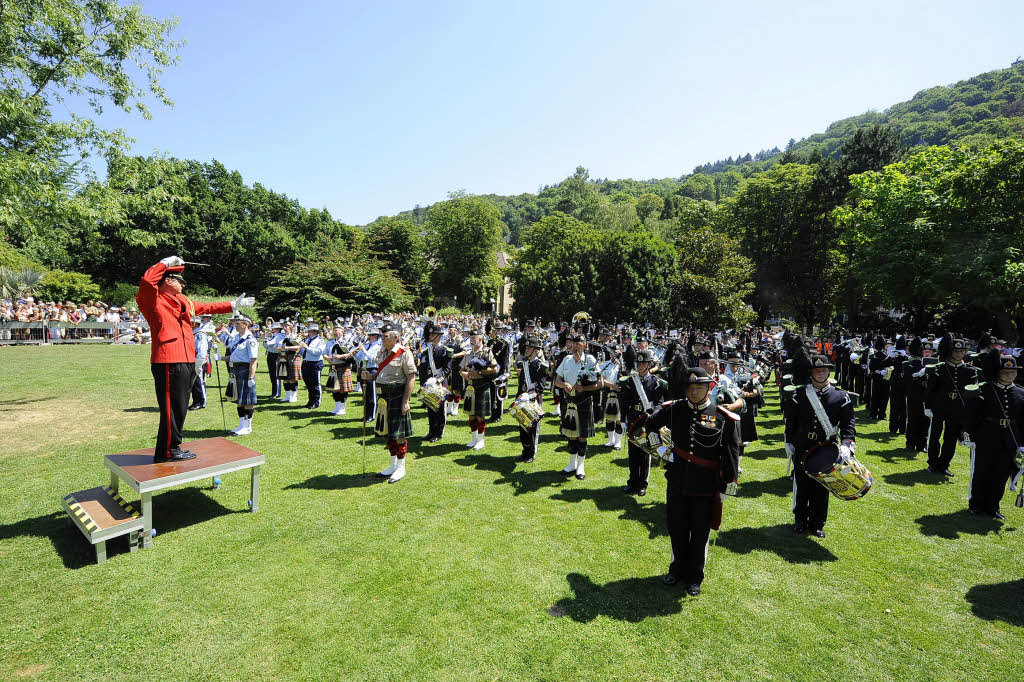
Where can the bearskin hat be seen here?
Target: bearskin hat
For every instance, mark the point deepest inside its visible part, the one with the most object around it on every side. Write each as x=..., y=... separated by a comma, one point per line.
x=915, y=346
x=945, y=346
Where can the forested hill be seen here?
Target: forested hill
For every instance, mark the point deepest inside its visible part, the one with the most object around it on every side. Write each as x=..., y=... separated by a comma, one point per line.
x=973, y=112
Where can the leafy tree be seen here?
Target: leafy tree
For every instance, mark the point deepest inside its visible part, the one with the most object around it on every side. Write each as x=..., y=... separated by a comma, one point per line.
x=69, y=55
x=463, y=237
x=944, y=229
x=333, y=283
x=635, y=276
x=578, y=197
x=57, y=285
x=399, y=246
x=714, y=279
x=648, y=205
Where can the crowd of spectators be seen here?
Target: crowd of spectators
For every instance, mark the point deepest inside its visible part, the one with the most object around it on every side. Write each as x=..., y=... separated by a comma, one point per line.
x=64, y=321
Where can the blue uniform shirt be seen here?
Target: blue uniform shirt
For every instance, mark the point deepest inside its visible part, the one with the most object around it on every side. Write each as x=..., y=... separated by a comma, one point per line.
x=317, y=346
x=246, y=349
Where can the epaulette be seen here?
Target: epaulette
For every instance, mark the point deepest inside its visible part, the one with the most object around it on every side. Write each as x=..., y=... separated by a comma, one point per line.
x=730, y=414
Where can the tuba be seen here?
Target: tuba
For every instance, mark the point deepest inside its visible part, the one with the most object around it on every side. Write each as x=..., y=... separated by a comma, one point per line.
x=430, y=312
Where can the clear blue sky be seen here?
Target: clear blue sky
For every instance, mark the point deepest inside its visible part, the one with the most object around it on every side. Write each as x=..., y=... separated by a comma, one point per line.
x=368, y=109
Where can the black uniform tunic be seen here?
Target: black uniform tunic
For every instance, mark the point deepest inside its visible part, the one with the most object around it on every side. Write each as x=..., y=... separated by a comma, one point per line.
x=995, y=421
x=633, y=407
x=442, y=356
x=945, y=398
x=803, y=432
x=706, y=459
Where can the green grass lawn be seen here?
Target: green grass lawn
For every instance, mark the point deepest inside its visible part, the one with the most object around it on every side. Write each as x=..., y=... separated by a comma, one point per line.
x=472, y=567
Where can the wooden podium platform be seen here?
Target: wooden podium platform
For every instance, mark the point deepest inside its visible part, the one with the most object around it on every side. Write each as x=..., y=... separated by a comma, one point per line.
x=214, y=456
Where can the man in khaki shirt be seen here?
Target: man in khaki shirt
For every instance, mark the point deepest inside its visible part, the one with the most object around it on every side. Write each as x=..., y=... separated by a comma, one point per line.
x=395, y=377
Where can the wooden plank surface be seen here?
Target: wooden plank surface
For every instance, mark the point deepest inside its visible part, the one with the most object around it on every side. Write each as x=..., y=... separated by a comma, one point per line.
x=210, y=452
x=101, y=507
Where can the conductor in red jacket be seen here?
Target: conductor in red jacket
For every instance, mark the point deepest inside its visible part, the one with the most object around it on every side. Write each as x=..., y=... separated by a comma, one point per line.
x=169, y=314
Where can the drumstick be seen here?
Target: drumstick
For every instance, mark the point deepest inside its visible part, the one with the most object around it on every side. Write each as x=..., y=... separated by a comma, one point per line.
x=204, y=265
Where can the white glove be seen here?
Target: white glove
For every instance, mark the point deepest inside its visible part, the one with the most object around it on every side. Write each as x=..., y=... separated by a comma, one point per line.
x=845, y=451
x=242, y=301
x=928, y=413
x=252, y=383
x=790, y=450
x=920, y=373
x=215, y=357
x=172, y=261
x=731, y=489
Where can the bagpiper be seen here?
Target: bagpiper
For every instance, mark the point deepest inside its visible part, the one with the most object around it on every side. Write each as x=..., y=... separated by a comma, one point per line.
x=579, y=377
x=478, y=369
x=393, y=373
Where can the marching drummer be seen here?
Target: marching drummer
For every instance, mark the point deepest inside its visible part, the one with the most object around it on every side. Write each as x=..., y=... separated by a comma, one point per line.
x=533, y=372
x=435, y=364
x=639, y=394
x=815, y=414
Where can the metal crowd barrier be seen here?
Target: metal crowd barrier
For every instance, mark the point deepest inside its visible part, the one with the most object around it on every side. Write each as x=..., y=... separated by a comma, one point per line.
x=51, y=331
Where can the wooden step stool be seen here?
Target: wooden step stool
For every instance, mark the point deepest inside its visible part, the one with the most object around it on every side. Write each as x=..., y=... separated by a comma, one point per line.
x=102, y=514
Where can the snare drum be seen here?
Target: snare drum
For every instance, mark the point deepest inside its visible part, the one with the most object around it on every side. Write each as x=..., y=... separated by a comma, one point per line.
x=844, y=477
x=526, y=412
x=433, y=393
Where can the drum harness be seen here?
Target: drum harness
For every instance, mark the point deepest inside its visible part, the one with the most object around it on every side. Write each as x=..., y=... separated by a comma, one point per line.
x=819, y=412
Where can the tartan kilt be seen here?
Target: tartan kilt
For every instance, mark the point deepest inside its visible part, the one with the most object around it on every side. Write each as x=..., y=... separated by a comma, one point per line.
x=480, y=401
x=244, y=394
x=339, y=379
x=599, y=398
x=583, y=416
x=612, y=408
x=289, y=368
x=391, y=423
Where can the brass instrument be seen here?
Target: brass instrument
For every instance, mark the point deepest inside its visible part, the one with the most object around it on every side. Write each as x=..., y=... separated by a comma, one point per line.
x=430, y=312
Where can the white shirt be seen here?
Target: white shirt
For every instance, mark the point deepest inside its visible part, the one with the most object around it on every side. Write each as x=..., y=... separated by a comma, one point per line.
x=246, y=348
x=315, y=349
x=569, y=369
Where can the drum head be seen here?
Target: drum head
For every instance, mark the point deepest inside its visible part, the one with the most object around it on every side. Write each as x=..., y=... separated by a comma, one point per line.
x=821, y=458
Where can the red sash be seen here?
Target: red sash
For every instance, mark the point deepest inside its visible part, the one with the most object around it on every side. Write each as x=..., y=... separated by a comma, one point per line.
x=388, y=359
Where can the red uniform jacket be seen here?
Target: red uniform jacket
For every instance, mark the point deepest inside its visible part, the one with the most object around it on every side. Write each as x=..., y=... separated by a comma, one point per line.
x=170, y=317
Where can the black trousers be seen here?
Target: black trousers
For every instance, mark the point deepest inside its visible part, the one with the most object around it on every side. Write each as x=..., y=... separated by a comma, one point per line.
x=528, y=438
x=810, y=499
x=689, y=527
x=879, y=397
x=917, y=425
x=311, y=377
x=437, y=420
x=369, y=400
x=173, y=382
x=950, y=427
x=897, y=410
x=639, y=467
x=275, y=383
x=991, y=467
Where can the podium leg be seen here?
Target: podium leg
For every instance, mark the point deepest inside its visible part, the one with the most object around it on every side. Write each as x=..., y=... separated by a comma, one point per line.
x=254, y=494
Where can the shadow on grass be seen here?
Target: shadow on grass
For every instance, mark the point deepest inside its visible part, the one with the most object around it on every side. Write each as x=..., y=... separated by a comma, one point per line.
x=26, y=401
x=999, y=601
x=172, y=511
x=337, y=482
x=760, y=451
x=897, y=455
x=919, y=477
x=780, y=539
x=651, y=516
x=780, y=487
x=522, y=481
x=951, y=525
x=631, y=600
x=141, y=409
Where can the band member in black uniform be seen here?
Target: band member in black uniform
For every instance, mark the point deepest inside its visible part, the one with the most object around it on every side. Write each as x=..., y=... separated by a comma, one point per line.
x=533, y=375
x=805, y=430
x=995, y=420
x=502, y=352
x=639, y=394
x=946, y=404
x=898, y=392
x=435, y=363
x=530, y=329
x=703, y=468
x=918, y=355
x=879, y=363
